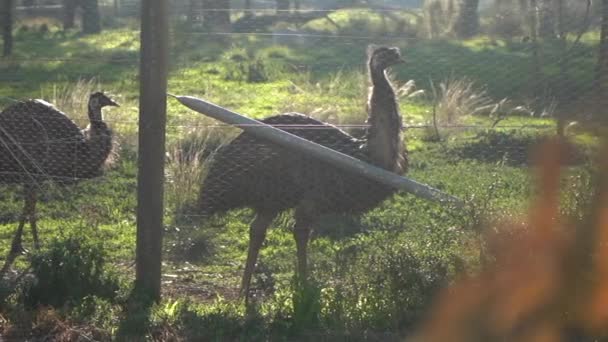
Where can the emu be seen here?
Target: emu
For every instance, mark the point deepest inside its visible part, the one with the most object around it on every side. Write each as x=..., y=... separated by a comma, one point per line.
x=38, y=143
x=251, y=172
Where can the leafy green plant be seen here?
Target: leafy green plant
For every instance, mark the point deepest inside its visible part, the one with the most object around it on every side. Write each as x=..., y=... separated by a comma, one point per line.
x=306, y=305
x=69, y=270
x=387, y=286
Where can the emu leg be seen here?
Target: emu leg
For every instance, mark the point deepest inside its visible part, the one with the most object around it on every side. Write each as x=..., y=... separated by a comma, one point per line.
x=31, y=204
x=257, y=234
x=301, y=233
x=16, y=246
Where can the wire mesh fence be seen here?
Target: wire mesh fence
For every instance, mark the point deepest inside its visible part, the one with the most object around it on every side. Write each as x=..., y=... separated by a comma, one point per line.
x=309, y=59
x=462, y=113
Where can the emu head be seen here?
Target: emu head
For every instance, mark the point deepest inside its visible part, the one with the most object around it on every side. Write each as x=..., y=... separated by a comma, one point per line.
x=383, y=57
x=97, y=101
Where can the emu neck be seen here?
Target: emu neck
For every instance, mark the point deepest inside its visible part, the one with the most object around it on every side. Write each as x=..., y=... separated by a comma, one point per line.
x=97, y=127
x=384, y=143
x=94, y=114
x=97, y=146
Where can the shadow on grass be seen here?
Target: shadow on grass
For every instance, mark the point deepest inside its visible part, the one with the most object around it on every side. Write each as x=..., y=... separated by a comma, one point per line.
x=511, y=148
x=136, y=320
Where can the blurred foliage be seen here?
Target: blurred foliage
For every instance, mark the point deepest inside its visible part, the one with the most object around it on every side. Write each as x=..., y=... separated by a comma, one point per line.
x=546, y=281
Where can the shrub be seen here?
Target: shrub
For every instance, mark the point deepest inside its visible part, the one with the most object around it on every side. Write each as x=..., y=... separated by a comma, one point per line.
x=68, y=271
x=388, y=286
x=240, y=64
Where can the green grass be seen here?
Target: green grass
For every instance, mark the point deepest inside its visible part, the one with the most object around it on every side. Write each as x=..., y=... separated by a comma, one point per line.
x=374, y=274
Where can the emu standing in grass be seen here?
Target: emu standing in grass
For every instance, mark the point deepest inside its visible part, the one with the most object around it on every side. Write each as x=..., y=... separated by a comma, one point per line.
x=39, y=143
x=251, y=172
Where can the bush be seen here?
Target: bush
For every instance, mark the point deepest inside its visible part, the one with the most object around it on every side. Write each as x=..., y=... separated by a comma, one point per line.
x=387, y=287
x=68, y=271
x=242, y=65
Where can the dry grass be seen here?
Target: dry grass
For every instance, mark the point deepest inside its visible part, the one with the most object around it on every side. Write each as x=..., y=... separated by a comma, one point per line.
x=73, y=98
x=186, y=166
x=47, y=324
x=457, y=98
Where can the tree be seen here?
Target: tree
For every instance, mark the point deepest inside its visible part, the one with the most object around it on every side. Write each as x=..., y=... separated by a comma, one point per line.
x=216, y=15
x=465, y=22
x=91, y=22
x=546, y=18
x=7, y=26
x=192, y=10
x=536, y=76
x=456, y=17
x=248, y=7
x=435, y=17
x=69, y=13
x=601, y=74
x=282, y=6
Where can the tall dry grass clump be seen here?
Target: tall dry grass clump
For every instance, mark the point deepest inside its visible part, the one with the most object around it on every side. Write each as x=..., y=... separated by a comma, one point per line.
x=72, y=98
x=457, y=98
x=186, y=166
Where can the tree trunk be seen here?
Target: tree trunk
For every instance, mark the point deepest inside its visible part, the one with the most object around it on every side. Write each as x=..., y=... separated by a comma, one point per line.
x=536, y=76
x=466, y=21
x=247, y=7
x=193, y=6
x=433, y=18
x=561, y=22
x=91, y=21
x=601, y=72
x=69, y=13
x=282, y=7
x=7, y=27
x=216, y=15
x=546, y=19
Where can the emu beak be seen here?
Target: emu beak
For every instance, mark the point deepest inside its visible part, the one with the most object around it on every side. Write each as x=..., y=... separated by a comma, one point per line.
x=112, y=103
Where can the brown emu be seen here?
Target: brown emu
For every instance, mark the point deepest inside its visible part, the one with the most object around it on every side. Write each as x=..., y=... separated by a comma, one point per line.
x=251, y=172
x=38, y=143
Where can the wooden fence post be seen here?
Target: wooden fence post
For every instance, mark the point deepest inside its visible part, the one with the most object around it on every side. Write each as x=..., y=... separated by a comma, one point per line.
x=152, y=120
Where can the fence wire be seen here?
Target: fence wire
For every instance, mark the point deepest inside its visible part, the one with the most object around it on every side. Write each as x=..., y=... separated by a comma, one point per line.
x=487, y=99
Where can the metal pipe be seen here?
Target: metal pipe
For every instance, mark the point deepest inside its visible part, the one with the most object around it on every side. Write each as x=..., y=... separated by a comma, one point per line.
x=321, y=152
